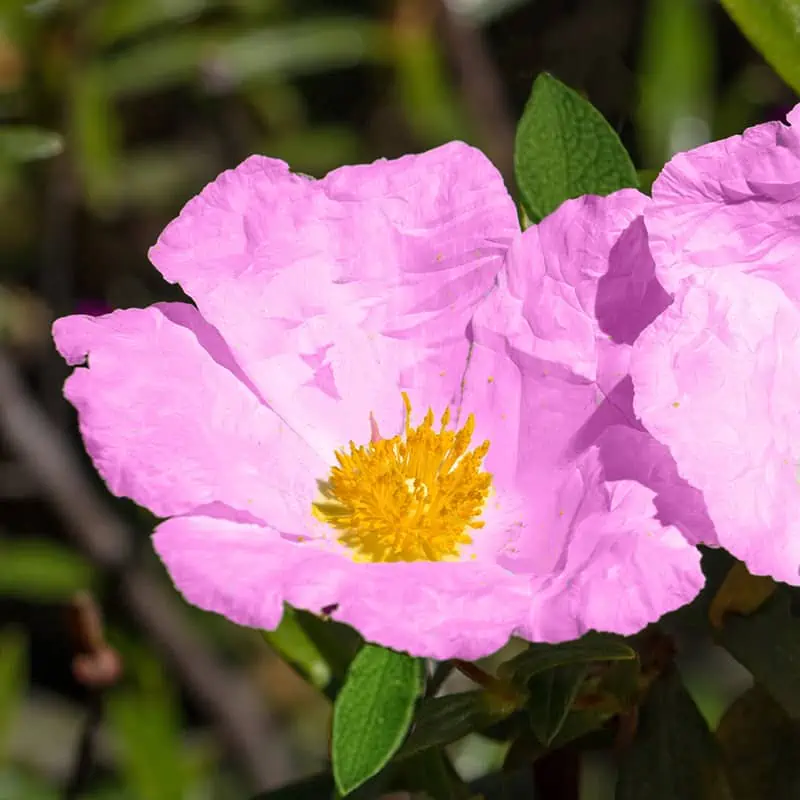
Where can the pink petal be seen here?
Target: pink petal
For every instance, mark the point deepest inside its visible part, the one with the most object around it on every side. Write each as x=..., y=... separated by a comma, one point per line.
x=169, y=420
x=620, y=569
x=541, y=386
x=733, y=205
x=716, y=380
x=336, y=294
x=436, y=610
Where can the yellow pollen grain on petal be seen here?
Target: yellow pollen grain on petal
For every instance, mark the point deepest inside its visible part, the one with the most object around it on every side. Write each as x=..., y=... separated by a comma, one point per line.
x=414, y=497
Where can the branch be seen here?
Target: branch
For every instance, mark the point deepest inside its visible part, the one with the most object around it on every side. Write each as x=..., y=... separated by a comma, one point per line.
x=230, y=700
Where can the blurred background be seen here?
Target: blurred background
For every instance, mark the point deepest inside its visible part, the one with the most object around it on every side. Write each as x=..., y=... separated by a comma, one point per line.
x=113, y=113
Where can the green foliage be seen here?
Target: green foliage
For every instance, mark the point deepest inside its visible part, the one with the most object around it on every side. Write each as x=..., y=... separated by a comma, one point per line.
x=42, y=570
x=760, y=744
x=443, y=720
x=564, y=148
x=674, y=755
x=146, y=721
x=676, y=78
x=372, y=714
x=551, y=696
x=19, y=143
x=13, y=679
x=772, y=27
x=767, y=643
x=539, y=658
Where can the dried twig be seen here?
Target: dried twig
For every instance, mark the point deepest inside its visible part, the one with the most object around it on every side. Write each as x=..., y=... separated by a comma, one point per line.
x=227, y=696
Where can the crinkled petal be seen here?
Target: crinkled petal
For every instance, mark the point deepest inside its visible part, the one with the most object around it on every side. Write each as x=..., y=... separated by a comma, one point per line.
x=334, y=295
x=170, y=420
x=584, y=275
x=538, y=395
x=717, y=380
x=732, y=205
x=621, y=569
x=436, y=610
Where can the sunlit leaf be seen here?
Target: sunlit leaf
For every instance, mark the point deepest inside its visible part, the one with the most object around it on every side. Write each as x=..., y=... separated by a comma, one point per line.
x=372, y=714
x=772, y=27
x=565, y=148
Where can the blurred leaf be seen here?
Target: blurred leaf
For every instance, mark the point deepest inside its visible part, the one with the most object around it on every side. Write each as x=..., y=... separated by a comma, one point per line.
x=18, y=785
x=551, y=696
x=296, y=48
x=317, y=787
x=26, y=143
x=767, y=643
x=119, y=19
x=564, y=148
x=40, y=570
x=674, y=755
x=740, y=593
x=372, y=714
x=158, y=63
x=95, y=135
x=772, y=28
x=760, y=745
x=443, y=720
x=337, y=643
x=13, y=679
x=677, y=79
x=431, y=106
x=540, y=658
x=147, y=724
x=294, y=645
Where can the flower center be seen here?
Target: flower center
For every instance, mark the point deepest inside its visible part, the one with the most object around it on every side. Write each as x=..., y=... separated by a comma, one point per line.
x=413, y=497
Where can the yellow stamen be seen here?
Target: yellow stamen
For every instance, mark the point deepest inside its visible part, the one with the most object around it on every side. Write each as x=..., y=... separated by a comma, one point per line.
x=413, y=497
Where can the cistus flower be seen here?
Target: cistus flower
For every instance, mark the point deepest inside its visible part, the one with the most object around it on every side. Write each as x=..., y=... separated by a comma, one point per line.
x=717, y=375
x=389, y=405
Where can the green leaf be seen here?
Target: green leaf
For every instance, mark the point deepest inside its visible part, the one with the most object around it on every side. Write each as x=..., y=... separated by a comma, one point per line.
x=674, y=755
x=676, y=78
x=13, y=666
x=565, y=148
x=760, y=745
x=443, y=720
x=551, y=696
x=771, y=26
x=540, y=658
x=767, y=643
x=42, y=571
x=294, y=645
x=337, y=643
x=25, y=143
x=372, y=714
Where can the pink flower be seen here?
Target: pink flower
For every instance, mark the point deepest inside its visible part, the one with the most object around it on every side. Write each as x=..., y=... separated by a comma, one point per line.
x=717, y=375
x=364, y=415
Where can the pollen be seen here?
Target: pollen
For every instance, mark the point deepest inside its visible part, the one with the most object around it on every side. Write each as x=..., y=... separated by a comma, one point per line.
x=414, y=497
